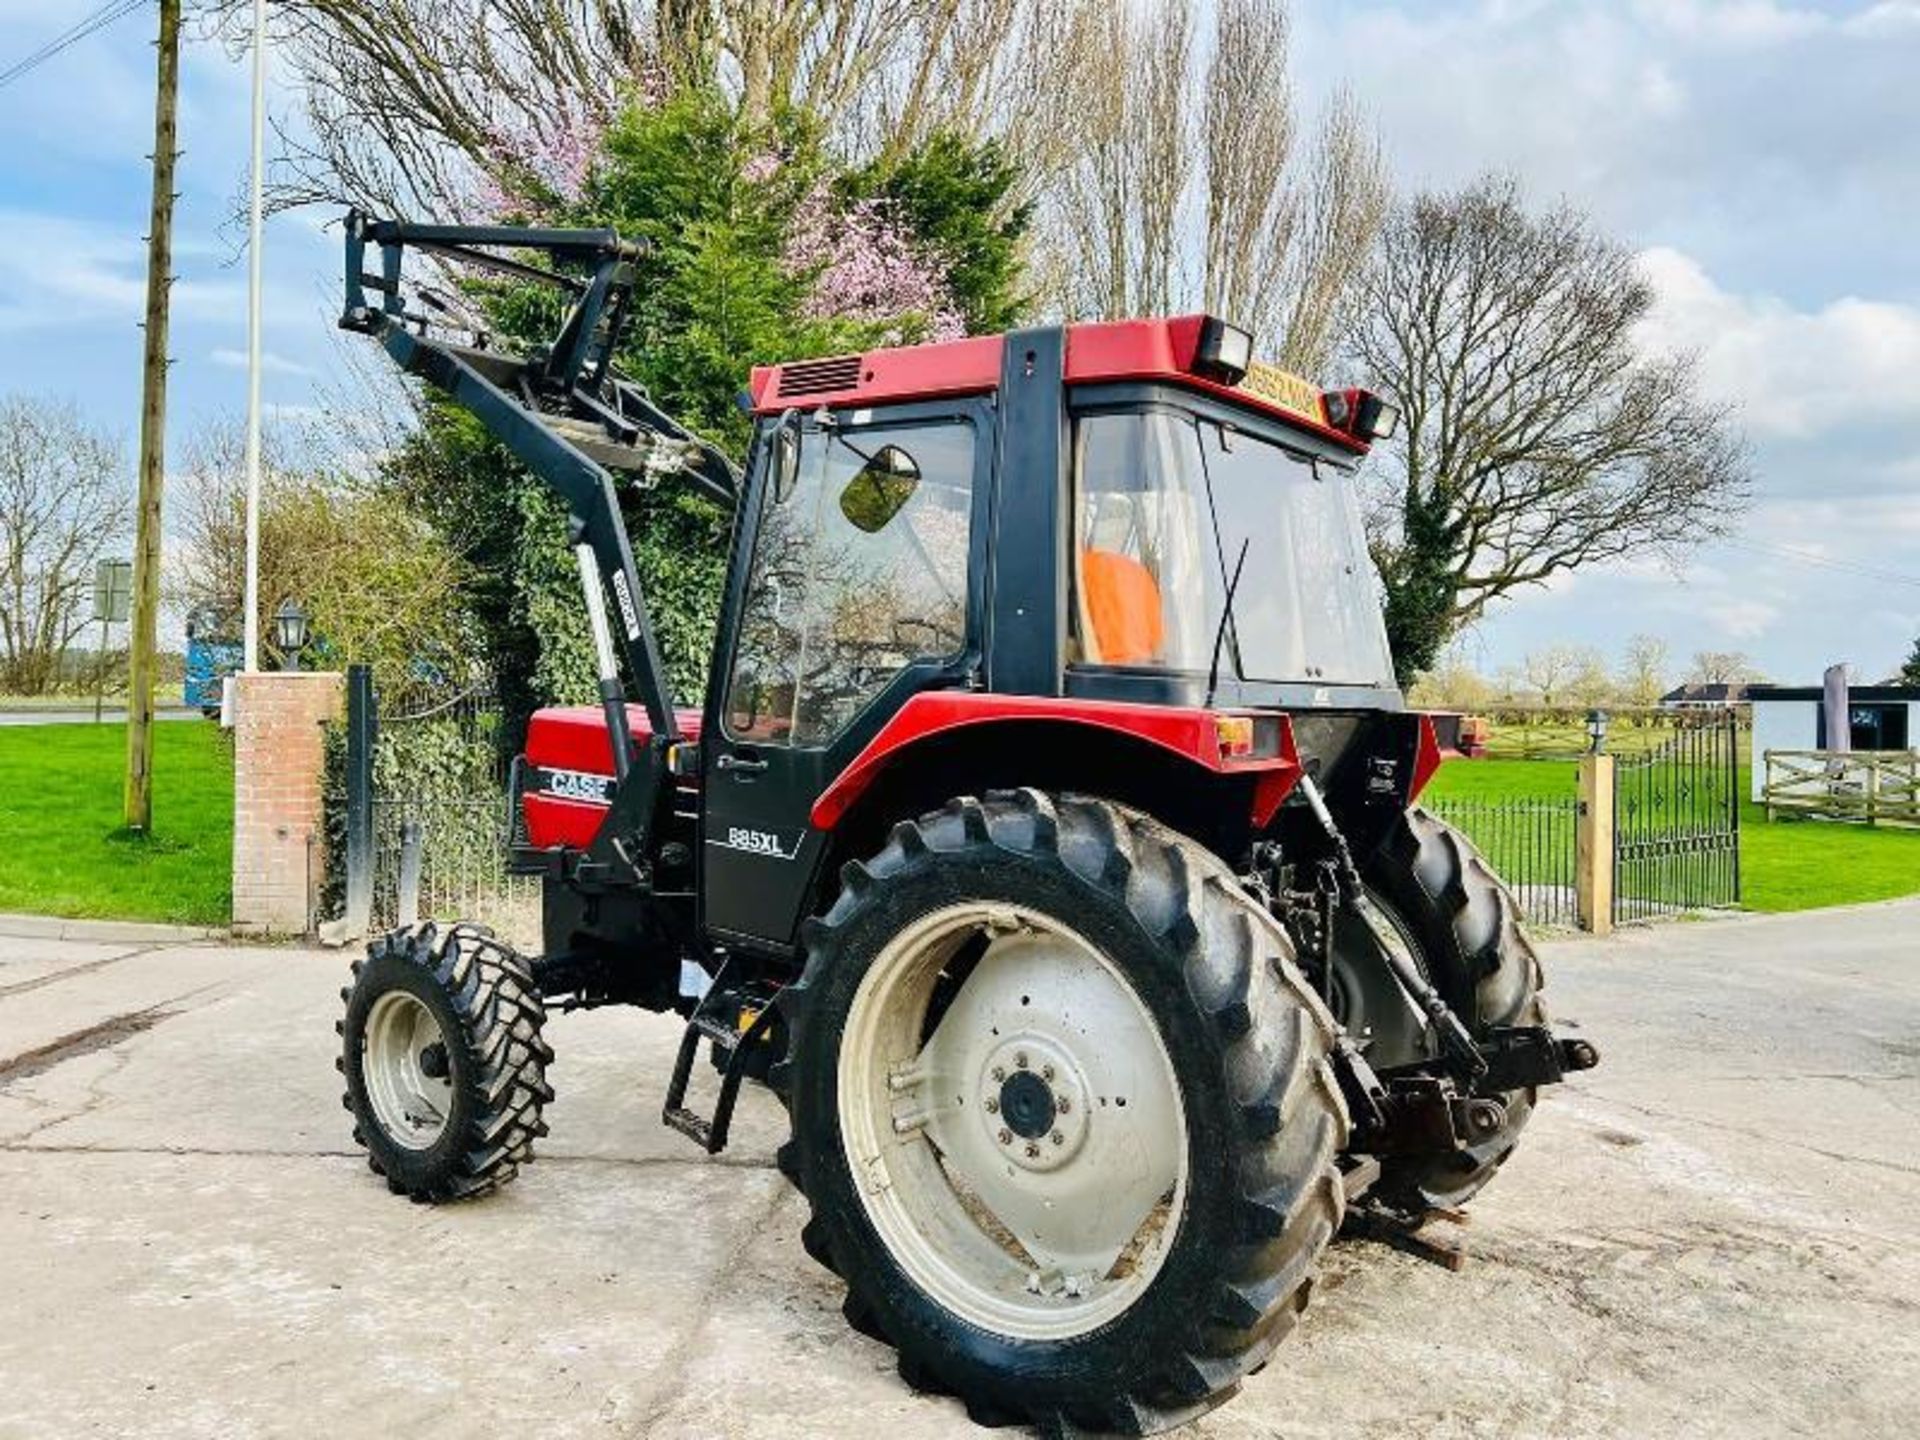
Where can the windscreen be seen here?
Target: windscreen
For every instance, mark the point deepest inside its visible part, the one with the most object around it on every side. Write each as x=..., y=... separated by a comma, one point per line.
x=1165, y=503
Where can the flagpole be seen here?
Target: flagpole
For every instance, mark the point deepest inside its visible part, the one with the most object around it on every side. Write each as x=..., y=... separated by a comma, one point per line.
x=256, y=223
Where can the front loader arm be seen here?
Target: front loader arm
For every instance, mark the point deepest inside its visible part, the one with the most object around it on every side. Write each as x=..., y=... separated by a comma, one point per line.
x=565, y=412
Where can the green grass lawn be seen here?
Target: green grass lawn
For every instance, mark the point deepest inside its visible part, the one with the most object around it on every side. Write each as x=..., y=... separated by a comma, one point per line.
x=62, y=851
x=1784, y=864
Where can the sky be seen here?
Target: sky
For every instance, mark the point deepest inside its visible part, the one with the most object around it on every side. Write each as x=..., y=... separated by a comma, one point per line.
x=1762, y=157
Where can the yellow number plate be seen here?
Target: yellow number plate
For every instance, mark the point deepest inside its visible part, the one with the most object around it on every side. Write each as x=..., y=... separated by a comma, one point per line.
x=1282, y=388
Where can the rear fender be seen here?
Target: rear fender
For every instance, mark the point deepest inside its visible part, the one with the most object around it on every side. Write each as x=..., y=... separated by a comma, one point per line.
x=1163, y=760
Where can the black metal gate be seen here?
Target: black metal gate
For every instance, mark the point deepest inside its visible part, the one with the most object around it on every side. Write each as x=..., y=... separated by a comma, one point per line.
x=1676, y=821
x=1529, y=842
x=430, y=782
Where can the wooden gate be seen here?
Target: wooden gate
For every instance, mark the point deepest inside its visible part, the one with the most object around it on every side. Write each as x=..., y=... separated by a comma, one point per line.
x=1869, y=785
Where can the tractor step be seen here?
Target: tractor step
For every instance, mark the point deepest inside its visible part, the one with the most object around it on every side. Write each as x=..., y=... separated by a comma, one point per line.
x=733, y=1021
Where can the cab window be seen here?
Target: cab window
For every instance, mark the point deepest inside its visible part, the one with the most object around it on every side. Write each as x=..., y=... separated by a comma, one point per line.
x=859, y=569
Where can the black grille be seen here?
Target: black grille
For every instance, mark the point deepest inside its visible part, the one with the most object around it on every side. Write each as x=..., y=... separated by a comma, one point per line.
x=817, y=377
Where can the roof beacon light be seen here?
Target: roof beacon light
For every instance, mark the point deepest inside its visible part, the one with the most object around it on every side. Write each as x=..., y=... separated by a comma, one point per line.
x=1224, y=352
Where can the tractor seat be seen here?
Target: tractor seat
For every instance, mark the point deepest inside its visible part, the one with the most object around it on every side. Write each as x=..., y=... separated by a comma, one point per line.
x=1123, y=607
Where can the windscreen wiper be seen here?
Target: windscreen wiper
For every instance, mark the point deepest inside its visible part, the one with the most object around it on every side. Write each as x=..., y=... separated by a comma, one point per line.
x=1226, y=619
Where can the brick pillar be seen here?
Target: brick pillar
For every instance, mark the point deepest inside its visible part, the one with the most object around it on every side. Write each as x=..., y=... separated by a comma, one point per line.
x=279, y=837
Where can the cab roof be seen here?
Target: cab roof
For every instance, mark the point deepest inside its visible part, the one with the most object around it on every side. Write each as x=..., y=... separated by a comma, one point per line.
x=1096, y=352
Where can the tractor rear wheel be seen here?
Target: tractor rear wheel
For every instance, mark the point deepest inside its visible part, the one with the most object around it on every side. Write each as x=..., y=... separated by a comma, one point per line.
x=1063, y=1111
x=444, y=1061
x=1463, y=927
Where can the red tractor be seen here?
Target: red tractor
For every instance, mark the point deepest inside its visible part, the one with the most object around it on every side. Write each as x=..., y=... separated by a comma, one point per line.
x=1047, y=840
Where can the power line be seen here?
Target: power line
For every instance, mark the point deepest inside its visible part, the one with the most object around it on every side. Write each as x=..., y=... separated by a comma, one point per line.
x=1808, y=557
x=98, y=20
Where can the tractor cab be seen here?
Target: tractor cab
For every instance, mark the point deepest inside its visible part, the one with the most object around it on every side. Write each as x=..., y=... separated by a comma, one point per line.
x=1087, y=534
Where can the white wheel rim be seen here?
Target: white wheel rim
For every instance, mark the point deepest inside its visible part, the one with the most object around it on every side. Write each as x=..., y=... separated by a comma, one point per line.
x=411, y=1105
x=1025, y=1162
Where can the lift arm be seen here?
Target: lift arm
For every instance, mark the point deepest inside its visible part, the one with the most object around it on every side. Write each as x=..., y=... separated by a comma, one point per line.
x=563, y=408
x=569, y=415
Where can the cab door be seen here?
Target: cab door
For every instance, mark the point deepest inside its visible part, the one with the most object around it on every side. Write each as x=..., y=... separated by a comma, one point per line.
x=854, y=586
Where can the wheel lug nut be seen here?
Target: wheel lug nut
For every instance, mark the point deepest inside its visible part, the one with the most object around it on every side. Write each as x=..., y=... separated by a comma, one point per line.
x=1058, y=1138
x=993, y=1106
x=1063, y=1104
x=1021, y=1060
x=999, y=1073
x=1046, y=1072
x=1033, y=1152
x=1006, y=1137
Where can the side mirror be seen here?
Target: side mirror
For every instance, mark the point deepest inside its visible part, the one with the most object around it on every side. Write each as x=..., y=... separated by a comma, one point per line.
x=786, y=455
x=885, y=484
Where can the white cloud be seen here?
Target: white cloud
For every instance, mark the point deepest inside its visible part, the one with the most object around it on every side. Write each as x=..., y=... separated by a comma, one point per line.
x=1793, y=372
x=1742, y=619
x=269, y=362
x=1733, y=22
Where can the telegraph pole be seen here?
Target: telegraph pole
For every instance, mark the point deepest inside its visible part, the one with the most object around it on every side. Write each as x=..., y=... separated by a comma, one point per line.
x=153, y=433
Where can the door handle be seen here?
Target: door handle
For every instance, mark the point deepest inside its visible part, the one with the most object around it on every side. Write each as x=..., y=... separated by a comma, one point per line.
x=743, y=764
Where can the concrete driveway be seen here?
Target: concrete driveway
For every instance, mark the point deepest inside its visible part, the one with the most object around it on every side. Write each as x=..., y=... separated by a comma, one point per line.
x=1717, y=1233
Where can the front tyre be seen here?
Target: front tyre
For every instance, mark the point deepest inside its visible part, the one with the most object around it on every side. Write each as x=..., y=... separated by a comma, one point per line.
x=444, y=1062
x=1063, y=1110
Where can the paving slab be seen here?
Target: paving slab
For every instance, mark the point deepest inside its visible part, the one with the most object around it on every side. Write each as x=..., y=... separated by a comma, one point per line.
x=1716, y=1233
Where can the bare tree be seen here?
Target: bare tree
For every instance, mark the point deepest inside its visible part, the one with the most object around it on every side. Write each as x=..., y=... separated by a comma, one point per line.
x=427, y=106
x=1722, y=667
x=378, y=586
x=1538, y=436
x=1548, y=671
x=1186, y=185
x=1643, y=671
x=1453, y=684
x=1591, y=683
x=65, y=499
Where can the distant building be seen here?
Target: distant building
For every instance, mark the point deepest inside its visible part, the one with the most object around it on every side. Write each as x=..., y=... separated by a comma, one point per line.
x=1794, y=717
x=1704, y=697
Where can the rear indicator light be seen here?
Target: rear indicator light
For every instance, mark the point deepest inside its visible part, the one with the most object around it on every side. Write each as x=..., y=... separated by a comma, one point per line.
x=1248, y=737
x=1236, y=736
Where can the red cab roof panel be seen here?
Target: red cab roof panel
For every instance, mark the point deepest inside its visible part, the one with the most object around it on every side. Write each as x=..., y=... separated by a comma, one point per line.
x=1098, y=352
x=911, y=372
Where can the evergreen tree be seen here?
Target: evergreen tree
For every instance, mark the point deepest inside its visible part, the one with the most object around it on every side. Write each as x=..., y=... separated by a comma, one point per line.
x=761, y=250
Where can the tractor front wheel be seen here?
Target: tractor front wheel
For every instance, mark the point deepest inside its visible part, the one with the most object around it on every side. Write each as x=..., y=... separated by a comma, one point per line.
x=1063, y=1111
x=444, y=1061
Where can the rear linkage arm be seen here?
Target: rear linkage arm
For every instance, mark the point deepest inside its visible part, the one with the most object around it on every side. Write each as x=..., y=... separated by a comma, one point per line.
x=1406, y=1113
x=569, y=415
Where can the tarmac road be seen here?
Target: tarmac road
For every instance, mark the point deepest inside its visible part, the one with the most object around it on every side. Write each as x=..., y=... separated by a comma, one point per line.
x=1716, y=1233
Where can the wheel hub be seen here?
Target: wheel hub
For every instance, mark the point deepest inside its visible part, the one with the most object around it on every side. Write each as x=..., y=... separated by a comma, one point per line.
x=403, y=1064
x=1035, y=1104
x=1027, y=1102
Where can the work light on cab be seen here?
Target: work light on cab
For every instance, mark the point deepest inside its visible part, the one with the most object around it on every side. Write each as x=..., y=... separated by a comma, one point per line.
x=1362, y=414
x=1224, y=353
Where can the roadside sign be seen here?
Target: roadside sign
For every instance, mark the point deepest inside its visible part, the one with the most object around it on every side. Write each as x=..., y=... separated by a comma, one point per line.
x=112, y=591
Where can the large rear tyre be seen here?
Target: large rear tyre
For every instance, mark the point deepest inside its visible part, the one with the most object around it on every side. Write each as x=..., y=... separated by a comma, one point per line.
x=444, y=1062
x=1464, y=929
x=1063, y=1110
